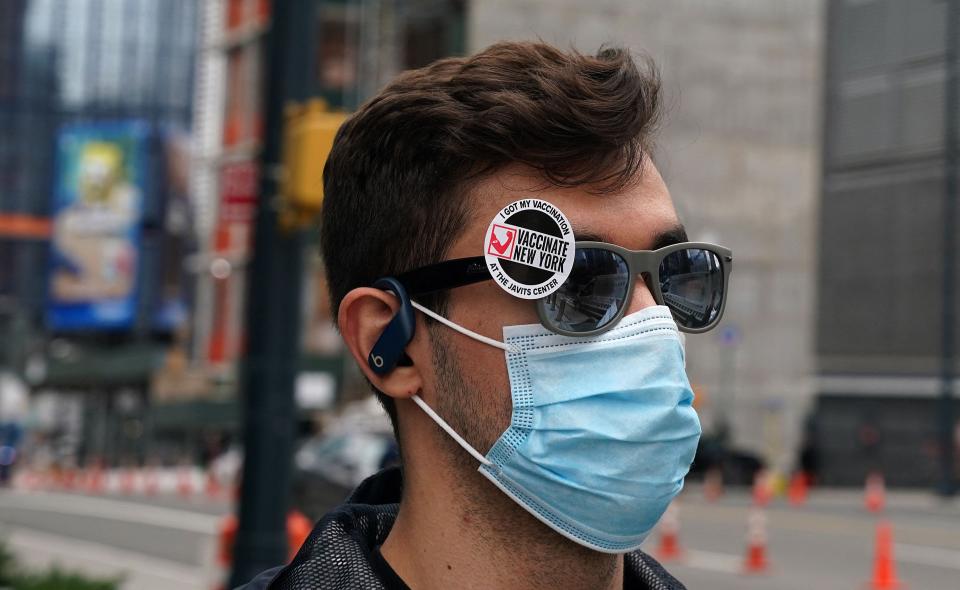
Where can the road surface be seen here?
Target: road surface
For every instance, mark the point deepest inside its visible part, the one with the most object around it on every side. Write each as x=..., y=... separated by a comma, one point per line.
x=153, y=544
x=826, y=544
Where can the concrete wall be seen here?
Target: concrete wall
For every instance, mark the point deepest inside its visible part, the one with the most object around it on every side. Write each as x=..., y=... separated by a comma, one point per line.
x=740, y=153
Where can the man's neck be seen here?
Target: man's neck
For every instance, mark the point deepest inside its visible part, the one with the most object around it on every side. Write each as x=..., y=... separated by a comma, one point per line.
x=470, y=535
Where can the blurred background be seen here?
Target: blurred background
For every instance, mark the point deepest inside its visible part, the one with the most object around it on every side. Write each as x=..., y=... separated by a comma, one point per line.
x=155, y=283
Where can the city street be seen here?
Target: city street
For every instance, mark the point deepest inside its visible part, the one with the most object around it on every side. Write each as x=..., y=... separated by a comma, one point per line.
x=198, y=197
x=828, y=543
x=154, y=544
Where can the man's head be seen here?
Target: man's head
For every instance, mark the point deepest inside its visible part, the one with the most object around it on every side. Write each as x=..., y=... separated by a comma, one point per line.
x=419, y=171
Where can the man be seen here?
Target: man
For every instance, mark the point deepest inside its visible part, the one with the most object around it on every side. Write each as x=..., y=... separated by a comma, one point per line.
x=487, y=231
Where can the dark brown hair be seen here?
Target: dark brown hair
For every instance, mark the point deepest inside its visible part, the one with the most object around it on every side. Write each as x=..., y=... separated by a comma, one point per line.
x=397, y=181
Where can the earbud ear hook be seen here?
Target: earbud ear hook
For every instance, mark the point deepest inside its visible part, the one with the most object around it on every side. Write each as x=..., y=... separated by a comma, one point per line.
x=390, y=347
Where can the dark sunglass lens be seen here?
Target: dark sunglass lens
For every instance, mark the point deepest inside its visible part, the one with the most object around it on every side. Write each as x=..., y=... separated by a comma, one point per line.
x=593, y=294
x=691, y=282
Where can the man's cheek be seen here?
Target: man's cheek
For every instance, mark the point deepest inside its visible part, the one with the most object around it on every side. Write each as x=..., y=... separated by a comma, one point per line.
x=490, y=380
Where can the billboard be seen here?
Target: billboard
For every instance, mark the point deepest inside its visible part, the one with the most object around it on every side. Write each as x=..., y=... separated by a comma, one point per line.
x=97, y=209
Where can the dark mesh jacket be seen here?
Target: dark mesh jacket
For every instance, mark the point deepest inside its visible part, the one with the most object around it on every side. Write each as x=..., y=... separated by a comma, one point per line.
x=337, y=554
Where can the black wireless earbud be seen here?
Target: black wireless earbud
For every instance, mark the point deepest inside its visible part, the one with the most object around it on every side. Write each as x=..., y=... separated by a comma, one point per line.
x=389, y=349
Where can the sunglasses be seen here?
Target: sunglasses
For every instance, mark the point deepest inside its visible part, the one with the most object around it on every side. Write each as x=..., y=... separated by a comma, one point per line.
x=690, y=278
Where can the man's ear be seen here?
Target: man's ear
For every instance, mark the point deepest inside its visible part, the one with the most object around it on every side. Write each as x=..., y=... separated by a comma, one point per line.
x=363, y=316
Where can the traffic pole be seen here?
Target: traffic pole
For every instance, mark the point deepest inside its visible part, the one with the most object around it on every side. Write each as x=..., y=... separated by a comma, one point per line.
x=947, y=485
x=273, y=310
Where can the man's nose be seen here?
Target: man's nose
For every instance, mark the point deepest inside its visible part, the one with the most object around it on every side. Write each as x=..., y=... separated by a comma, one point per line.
x=642, y=296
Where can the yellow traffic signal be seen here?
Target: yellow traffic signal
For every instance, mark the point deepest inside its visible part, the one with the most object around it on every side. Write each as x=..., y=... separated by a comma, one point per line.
x=309, y=131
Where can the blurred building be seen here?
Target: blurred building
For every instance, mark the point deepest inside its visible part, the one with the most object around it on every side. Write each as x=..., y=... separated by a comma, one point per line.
x=740, y=153
x=130, y=132
x=881, y=241
x=24, y=228
x=350, y=48
x=94, y=221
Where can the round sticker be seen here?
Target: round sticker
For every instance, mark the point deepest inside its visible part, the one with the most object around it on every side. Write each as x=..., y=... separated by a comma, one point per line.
x=529, y=248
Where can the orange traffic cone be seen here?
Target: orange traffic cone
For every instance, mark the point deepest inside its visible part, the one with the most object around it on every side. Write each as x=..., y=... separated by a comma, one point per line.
x=151, y=481
x=69, y=480
x=28, y=479
x=213, y=487
x=669, y=548
x=875, y=494
x=797, y=493
x=96, y=483
x=762, y=489
x=713, y=484
x=756, y=558
x=884, y=567
x=83, y=476
x=226, y=537
x=128, y=484
x=185, y=482
x=298, y=529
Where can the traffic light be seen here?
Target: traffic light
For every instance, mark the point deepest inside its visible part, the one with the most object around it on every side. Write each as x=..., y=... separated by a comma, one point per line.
x=309, y=131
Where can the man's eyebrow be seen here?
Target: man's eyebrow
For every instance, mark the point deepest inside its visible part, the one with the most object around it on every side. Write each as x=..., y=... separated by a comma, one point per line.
x=675, y=235
x=586, y=236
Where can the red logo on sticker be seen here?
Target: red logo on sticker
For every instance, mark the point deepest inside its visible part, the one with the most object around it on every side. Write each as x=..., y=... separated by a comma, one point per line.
x=502, y=241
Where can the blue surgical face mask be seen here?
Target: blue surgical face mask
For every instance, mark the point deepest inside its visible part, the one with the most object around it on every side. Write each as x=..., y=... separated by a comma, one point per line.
x=603, y=431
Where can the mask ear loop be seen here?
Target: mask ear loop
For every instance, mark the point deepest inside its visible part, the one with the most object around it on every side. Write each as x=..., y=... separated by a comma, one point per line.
x=683, y=347
x=449, y=430
x=465, y=331
x=428, y=410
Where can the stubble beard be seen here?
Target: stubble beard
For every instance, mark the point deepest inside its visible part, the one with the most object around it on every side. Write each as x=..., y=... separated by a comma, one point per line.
x=480, y=415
